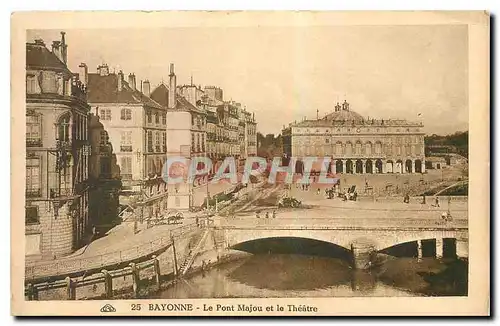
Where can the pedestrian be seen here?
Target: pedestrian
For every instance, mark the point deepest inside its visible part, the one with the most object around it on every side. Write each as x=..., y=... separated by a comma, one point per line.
x=94, y=232
x=437, y=202
x=267, y=214
x=318, y=192
x=257, y=215
x=423, y=199
x=274, y=214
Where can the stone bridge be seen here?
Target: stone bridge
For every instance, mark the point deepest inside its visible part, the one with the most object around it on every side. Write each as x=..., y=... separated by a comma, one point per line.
x=357, y=235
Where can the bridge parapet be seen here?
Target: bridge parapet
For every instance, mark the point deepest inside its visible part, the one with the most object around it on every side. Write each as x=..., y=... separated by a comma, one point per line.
x=344, y=235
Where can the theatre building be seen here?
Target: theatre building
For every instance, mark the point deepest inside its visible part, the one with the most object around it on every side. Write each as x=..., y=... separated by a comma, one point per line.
x=356, y=145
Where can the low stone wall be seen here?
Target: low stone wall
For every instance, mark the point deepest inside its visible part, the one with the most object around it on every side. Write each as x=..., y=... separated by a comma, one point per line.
x=428, y=199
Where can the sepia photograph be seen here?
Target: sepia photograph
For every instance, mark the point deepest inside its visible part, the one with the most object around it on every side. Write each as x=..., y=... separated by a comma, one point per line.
x=296, y=161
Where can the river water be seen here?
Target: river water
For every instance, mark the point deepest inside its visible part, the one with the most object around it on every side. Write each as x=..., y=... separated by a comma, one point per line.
x=290, y=275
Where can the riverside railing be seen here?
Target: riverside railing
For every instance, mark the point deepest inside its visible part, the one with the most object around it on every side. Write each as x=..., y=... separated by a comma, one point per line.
x=104, y=277
x=74, y=265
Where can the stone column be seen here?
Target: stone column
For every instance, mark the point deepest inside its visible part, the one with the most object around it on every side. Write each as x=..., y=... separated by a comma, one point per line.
x=439, y=248
x=419, y=250
x=384, y=167
x=361, y=255
x=423, y=166
x=374, y=167
x=344, y=166
x=363, y=166
x=334, y=166
x=413, y=166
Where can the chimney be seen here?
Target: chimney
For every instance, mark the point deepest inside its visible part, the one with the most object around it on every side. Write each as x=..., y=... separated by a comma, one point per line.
x=120, y=81
x=146, y=88
x=172, y=88
x=103, y=70
x=64, y=48
x=56, y=49
x=84, y=73
x=131, y=81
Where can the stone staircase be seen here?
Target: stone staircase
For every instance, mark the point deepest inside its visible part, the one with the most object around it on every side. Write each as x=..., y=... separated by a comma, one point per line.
x=189, y=258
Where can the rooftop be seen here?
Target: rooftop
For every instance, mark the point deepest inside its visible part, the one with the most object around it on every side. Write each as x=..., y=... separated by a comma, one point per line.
x=39, y=57
x=104, y=89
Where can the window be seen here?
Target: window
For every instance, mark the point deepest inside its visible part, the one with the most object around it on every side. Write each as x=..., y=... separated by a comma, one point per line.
x=31, y=84
x=63, y=128
x=157, y=141
x=348, y=148
x=327, y=140
x=378, y=148
x=126, y=141
x=149, y=116
x=150, y=141
x=203, y=142
x=33, y=130
x=164, y=142
x=192, y=142
x=368, y=148
x=104, y=139
x=157, y=118
x=105, y=114
x=126, y=114
x=338, y=148
x=358, y=148
x=164, y=118
x=105, y=166
x=151, y=168
x=33, y=187
x=32, y=215
x=126, y=167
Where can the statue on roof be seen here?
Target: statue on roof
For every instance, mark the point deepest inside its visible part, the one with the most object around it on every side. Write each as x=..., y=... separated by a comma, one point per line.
x=345, y=106
x=337, y=107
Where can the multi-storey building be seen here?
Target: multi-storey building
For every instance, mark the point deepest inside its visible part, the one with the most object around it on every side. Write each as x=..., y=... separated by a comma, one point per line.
x=357, y=145
x=184, y=135
x=137, y=130
x=201, y=123
x=57, y=149
x=104, y=177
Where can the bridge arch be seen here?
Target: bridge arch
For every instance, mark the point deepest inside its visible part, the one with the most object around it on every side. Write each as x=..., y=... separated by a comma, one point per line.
x=293, y=245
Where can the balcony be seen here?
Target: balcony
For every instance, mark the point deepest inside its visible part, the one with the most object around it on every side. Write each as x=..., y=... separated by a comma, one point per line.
x=33, y=193
x=125, y=148
x=33, y=143
x=61, y=192
x=63, y=144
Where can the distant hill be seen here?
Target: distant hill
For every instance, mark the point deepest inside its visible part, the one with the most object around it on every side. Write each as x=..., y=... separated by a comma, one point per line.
x=455, y=143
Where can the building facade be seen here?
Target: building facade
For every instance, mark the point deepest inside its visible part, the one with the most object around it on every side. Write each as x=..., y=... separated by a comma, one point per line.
x=57, y=151
x=137, y=131
x=104, y=178
x=202, y=124
x=356, y=145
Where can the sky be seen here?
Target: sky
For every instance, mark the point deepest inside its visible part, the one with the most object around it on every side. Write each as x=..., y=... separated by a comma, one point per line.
x=286, y=73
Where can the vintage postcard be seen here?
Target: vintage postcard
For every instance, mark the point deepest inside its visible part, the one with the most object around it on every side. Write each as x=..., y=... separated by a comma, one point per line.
x=250, y=163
